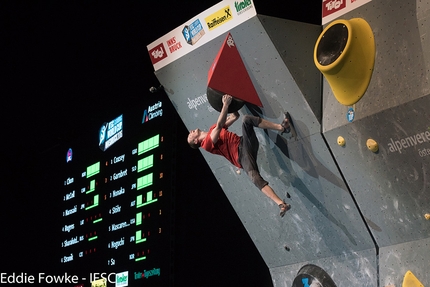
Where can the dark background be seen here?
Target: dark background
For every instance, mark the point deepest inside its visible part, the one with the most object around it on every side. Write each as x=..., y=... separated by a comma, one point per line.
x=67, y=67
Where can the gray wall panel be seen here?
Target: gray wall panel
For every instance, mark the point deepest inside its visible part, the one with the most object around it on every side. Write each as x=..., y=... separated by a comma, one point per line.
x=324, y=221
x=296, y=49
x=396, y=260
x=391, y=186
x=402, y=63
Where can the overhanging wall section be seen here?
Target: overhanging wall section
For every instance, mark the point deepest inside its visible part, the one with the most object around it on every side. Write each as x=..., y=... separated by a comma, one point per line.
x=324, y=223
x=295, y=43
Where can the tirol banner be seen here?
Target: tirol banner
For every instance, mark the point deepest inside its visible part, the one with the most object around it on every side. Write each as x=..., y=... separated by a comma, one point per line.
x=332, y=9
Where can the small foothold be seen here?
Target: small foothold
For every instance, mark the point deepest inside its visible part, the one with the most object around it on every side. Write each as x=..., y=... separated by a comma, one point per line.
x=372, y=145
x=340, y=141
x=238, y=171
x=287, y=248
x=427, y=216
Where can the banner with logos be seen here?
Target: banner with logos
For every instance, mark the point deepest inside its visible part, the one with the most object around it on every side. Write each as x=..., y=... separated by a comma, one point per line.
x=200, y=30
x=332, y=9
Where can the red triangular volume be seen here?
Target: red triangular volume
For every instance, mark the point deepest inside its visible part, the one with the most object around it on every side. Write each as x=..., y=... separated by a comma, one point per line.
x=229, y=75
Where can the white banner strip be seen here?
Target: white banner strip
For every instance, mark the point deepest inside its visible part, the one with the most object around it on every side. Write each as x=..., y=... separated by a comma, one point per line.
x=198, y=31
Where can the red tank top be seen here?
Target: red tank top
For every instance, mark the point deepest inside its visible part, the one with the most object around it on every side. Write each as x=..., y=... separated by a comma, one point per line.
x=226, y=146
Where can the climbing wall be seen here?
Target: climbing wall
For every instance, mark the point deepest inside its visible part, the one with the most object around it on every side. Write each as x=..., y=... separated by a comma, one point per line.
x=390, y=186
x=357, y=216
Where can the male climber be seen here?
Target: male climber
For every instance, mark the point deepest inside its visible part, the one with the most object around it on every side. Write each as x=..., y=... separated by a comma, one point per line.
x=240, y=151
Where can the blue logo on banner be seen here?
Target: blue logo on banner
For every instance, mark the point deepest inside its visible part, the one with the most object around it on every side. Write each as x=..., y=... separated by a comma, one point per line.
x=110, y=133
x=193, y=32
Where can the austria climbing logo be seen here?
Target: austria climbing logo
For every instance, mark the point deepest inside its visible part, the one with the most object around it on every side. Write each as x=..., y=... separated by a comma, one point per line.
x=152, y=112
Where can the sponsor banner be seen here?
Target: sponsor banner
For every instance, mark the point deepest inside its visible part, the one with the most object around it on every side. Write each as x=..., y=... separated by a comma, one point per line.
x=417, y=142
x=99, y=283
x=203, y=28
x=332, y=9
x=157, y=53
x=121, y=279
x=219, y=18
x=147, y=273
x=193, y=32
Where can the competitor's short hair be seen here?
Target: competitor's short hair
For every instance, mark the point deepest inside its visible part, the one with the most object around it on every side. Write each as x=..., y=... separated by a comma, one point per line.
x=193, y=145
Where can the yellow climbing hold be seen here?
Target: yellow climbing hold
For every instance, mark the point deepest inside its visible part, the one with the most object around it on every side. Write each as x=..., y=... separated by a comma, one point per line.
x=340, y=141
x=372, y=145
x=411, y=281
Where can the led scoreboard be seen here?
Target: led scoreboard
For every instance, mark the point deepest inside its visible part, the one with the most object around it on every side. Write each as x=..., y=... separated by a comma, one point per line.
x=117, y=199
